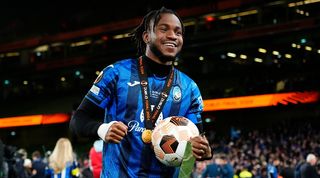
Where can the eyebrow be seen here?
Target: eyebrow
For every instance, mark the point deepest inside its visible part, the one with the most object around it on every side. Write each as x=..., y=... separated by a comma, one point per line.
x=167, y=25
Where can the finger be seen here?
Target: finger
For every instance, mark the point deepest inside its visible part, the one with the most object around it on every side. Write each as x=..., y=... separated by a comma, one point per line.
x=199, y=143
x=116, y=132
x=199, y=149
x=121, y=126
x=115, y=138
x=197, y=153
x=201, y=146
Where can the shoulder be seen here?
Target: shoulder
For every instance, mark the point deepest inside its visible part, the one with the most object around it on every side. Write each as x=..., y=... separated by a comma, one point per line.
x=212, y=166
x=184, y=79
x=304, y=165
x=182, y=75
x=123, y=63
x=111, y=71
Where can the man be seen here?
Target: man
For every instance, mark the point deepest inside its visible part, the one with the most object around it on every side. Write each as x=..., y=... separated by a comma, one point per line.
x=38, y=166
x=272, y=168
x=95, y=157
x=211, y=170
x=133, y=94
x=220, y=168
x=226, y=169
x=308, y=169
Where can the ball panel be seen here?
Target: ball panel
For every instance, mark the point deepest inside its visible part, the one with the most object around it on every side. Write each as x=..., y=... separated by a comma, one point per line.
x=179, y=121
x=181, y=148
x=159, y=153
x=173, y=159
x=169, y=144
x=193, y=129
x=156, y=137
x=168, y=128
x=183, y=134
x=170, y=138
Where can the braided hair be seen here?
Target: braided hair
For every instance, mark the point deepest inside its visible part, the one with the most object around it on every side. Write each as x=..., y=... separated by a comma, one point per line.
x=152, y=16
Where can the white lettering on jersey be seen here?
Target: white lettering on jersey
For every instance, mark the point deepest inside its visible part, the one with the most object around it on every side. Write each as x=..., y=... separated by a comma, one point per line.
x=135, y=126
x=160, y=117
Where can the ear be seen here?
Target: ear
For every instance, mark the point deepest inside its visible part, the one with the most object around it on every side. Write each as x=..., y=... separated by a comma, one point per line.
x=145, y=37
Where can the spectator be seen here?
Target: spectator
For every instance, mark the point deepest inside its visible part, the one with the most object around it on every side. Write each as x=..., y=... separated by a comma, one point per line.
x=272, y=168
x=225, y=168
x=62, y=162
x=27, y=165
x=199, y=167
x=219, y=168
x=212, y=170
x=85, y=169
x=245, y=173
x=19, y=167
x=308, y=169
x=38, y=165
x=95, y=157
x=287, y=171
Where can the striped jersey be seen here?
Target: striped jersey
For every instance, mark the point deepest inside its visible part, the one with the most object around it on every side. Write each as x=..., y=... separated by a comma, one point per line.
x=117, y=90
x=70, y=171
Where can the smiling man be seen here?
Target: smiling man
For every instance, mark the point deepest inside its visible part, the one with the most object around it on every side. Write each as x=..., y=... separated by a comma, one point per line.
x=131, y=96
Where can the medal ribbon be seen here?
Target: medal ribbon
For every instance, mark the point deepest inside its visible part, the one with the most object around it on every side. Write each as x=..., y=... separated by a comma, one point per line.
x=151, y=117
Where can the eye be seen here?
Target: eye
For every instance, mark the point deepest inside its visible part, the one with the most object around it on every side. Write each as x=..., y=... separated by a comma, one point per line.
x=163, y=29
x=179, y=33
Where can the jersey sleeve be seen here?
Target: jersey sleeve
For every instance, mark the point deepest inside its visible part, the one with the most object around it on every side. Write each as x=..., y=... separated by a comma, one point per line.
x=196, y=106
x=104, y=87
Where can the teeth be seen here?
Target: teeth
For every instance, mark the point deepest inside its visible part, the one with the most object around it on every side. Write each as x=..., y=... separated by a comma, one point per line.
x=170, y=44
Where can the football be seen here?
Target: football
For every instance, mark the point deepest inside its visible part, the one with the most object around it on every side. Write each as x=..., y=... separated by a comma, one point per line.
x=170, y=137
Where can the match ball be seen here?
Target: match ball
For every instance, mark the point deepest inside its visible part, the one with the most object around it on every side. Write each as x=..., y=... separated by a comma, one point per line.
x=170, y=137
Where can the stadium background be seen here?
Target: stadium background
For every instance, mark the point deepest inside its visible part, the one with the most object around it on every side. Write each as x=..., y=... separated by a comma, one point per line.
x=50, y=55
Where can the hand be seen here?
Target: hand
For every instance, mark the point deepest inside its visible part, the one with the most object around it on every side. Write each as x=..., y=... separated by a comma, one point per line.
x=116, y=132
x=200, y=147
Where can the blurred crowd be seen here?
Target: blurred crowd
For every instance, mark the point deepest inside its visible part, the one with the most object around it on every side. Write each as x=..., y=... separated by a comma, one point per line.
x=62, y=161
x=275, y=152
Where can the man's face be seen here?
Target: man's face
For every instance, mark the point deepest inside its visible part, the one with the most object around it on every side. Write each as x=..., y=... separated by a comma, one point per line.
x=313, y=162
x=166, y=39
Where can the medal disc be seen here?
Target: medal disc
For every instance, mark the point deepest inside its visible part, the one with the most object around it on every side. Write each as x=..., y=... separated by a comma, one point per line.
x=146, y=136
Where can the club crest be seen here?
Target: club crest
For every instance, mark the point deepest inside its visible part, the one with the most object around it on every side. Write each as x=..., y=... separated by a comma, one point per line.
x=176, y=93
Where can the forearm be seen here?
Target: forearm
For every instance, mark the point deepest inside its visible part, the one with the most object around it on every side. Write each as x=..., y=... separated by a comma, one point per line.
x=82, y=125
x=85, y=121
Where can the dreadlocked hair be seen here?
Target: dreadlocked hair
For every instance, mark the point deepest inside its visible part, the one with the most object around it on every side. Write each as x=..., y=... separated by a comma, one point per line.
x=152, y=16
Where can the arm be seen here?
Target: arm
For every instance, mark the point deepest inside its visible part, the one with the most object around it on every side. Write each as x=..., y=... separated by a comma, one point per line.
x=87, y=119
x=200, y=145
x=85, y=123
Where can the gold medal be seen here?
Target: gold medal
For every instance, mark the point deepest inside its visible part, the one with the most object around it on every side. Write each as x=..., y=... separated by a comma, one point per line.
x=146, y=136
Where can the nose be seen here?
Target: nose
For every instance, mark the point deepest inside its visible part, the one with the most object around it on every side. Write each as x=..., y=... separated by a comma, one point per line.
x=171, y=35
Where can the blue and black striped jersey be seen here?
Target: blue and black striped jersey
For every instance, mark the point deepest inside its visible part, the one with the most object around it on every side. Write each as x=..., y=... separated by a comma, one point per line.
x=117, y=90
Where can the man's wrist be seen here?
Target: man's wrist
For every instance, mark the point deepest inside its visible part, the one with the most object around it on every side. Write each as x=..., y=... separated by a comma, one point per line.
x=103, y=129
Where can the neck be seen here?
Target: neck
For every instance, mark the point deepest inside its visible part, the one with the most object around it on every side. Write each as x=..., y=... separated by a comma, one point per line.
x=156, y=59
x=156, y=68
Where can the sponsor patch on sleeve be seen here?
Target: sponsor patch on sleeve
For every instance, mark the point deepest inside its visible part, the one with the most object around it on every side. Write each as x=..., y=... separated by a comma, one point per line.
x=95, y=90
